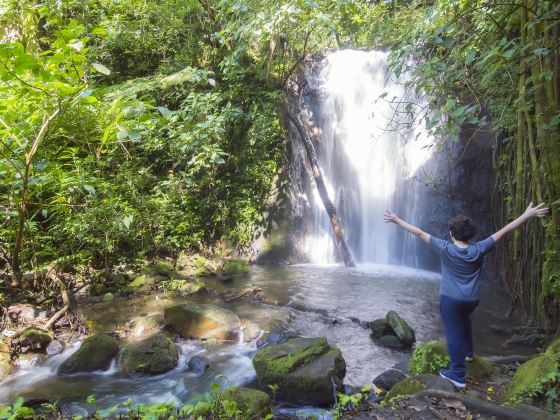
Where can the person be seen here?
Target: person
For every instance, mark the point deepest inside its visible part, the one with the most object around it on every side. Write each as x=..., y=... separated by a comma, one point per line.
x=461, y=264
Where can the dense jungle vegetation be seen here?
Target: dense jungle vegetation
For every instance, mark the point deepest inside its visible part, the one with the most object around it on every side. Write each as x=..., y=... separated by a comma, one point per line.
x=133, y=129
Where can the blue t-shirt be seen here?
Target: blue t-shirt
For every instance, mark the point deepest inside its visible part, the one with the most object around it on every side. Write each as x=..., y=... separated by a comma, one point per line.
x=460, y=268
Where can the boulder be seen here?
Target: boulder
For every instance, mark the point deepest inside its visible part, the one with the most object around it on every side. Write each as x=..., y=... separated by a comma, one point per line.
x=152, y=356
x=26, y=313
x=402, y=329
x=304, y=370
x=419, y=383
x=254, y=404
x=163, y=268
x=30, y=359
x=147, y=325
x=6, y=367
x=198, y=365
x=432, y=356
x=391, y=342
x=108, y=296
x=202, y=321
x=144, y=282
x=531, y=373
x=95, y=353
x=251, y=331
x=380, y=328
x=34, y=338
x=55, y=347
x=389, y=379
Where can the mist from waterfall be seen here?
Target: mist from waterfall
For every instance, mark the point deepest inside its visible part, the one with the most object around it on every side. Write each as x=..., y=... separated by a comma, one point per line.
x=362, y=156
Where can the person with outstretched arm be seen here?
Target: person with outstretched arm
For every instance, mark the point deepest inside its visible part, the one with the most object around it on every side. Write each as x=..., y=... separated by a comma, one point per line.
x=461, y=262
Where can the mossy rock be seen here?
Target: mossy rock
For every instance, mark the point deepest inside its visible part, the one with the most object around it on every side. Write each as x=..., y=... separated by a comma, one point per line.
x=553, y=351
x=432, y=356
x=527, y=376
x=152, y=356
x=201, y=321
x=35, y=338
x=108, y=296
x=390, y=342
x=144, y=282
x=254, y=404
x=304, y=369
x=6, y=367
x=380, y=328
x=235, y=267
x=419, y=383
x=95, y=353
x=163, y=268
x=147, y=325
x=402, y=329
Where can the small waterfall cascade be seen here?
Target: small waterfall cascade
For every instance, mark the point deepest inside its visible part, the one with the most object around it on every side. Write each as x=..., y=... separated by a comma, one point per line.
x=365, y=147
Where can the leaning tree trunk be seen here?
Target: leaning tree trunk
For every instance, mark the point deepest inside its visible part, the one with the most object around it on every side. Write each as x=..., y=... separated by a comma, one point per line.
x=323, y=193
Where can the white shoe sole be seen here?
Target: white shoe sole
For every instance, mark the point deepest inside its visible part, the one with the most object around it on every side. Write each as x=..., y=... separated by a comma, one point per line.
x=457, y=384
x=469, y=359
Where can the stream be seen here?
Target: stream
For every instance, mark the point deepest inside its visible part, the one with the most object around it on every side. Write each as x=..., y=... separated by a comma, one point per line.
x=307, y=300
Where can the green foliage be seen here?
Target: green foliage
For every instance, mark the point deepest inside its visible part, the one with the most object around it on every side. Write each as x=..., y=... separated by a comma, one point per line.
x=350, y=402
x=429, y=358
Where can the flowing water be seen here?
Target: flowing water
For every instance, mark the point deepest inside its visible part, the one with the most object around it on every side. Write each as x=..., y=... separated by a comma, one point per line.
x=367, y=146
x=308, y=300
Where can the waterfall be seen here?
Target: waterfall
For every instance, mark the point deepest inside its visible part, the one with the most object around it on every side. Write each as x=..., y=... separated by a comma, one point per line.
x=362, y=155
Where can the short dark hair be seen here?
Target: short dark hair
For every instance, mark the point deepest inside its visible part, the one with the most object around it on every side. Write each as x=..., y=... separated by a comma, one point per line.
x=462, y=228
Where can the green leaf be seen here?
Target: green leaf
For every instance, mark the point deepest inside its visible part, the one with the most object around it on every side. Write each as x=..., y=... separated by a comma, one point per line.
x=540, y=51
x=90, y=190
x=99, y=31
x=167, y=114
x=470, y=57
x=101, y=68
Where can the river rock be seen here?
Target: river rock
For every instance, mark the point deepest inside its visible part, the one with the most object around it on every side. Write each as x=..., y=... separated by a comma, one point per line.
x=402, y=329
x=55, y=347
x=34, y=338
x=304, y=369
x=152, y=356
x=147, y=325
x=198, y=364
x=419, y=383
x=254, y=404
x=251, y=331
x=432, y=356
x=95, y=353
x=388, y=379
x=6, y=367
x=26, y=360
x=380, y=328
x=202, y=321
x=26, y=313
x=530, y=373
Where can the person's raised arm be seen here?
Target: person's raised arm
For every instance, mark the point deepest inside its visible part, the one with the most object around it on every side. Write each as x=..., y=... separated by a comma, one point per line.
x=393, y=218
x=538, y=211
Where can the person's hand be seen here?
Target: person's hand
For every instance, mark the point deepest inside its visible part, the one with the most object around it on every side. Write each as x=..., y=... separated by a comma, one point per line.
x=538, y=211
x=390, y=217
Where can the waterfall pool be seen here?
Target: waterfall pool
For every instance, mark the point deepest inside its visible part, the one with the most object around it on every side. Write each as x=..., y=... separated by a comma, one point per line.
x=307, y=300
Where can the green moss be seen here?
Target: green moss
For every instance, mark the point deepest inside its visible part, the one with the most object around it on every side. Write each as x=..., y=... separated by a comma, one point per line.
x=233, y=267
x=95, y=353
x=432, y=356
x=143, y=283
x=285, y=358
x=553, y=351
x=402, y=329
x=251, y=402
x=35, y=337
x=163, y=268
x=407, y=386
x=527, y=377
x=154, y=355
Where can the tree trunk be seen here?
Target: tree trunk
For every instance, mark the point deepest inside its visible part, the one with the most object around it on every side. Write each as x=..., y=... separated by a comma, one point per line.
x=323, y=193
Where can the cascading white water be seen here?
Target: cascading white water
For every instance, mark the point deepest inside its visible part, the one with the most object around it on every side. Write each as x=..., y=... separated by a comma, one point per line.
x=361, y=154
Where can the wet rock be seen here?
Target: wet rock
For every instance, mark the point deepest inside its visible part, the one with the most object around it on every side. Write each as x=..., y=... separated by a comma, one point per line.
x=55, y=347
x=380, y=328
x=253, y=404
x=202, y=321
x=246, y=294
x=95, y=353
x=152, y=356
x=108, y=296
x=6, y=367
x=533, y=340
x=195, y=266
x=419, y=383
x=272, y=338
x=432, y=356
x=404, y=331
x=251, y=331
x=198, y=364
x=304, y=369
x=389, y=379
x=163, y=268
x=391, y=342
x=34, y=338
x=26, y=313
x=145, y=282
x=147, y=325
x=29, y=359
x=530, y=373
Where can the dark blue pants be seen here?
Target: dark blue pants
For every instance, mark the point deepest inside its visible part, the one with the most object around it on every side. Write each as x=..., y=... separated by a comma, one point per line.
x=456, y=315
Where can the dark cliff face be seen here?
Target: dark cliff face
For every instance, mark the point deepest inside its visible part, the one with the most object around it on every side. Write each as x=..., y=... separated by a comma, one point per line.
x=457, y=180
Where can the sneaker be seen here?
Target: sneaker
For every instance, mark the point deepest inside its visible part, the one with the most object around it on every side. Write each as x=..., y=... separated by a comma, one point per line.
x=454, y=379
x=469, y=357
